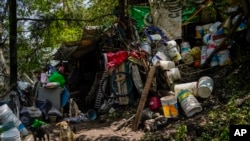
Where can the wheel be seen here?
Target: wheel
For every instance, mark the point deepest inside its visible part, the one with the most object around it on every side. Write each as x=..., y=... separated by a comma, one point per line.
x=121, y=84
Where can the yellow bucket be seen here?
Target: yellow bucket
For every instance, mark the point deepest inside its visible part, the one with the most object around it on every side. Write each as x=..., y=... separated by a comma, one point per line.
x=169, y=106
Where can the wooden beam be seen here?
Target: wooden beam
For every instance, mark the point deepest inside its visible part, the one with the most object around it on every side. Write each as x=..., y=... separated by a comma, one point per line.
x=144, y=96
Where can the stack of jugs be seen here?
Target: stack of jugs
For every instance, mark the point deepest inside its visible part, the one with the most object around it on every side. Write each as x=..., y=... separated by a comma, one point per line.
x=166, y=65
x=8, y=116
x=172, y=50
x=160, y=55
x=10, y=135
x=172, y=75
x=187, y=58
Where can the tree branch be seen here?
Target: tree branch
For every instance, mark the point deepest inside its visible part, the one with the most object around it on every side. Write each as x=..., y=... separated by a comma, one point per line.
x=64, y=19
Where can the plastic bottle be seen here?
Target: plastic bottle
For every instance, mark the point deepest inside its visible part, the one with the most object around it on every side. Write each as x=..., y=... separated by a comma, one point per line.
x=6, y=126
x=211, y=47
x=203, y=54
x=199, y=31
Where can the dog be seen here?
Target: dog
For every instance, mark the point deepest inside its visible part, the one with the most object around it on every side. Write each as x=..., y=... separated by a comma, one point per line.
x=66, y=133
x=40, y=132
x=73, y=108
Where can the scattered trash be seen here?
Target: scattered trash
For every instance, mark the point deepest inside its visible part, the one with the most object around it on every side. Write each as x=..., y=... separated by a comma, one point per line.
x=189, y=103
x=191, y=86
x=170, y=106
x=11, y=135
x=154, y=102
x=205, y=86
x=7, y=116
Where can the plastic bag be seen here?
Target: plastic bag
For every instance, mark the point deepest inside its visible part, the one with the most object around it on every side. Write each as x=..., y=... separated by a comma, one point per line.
x=142, y=16
x=57, y=77
x=114, y=59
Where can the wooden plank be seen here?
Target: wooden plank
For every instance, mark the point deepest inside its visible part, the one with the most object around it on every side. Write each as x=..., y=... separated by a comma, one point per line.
x=143, y=99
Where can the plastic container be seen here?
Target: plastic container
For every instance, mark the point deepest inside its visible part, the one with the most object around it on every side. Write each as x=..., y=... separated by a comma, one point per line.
x=214, y=28
x=191, y=86
x=6, y=126
x=154, y=37
x=199, y=32
x=185, y=47
x=10, y=135
x=7, y=116
x=214, y=61
x=34, y=112
x=187, y=58
x=206, y=28
x=205, y=86
x=189, y=103
x=211, y=47
x=145, y=46
x=166, y=65
x=173, y=75
x=224, y=57
x=161, y=55
x=203, y=54
x=196, y=53
x=206, y=38
x=169, y=106
x=172, y=51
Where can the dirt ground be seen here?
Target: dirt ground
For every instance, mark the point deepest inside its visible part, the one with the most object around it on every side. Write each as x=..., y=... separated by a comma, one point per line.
x=95, y=131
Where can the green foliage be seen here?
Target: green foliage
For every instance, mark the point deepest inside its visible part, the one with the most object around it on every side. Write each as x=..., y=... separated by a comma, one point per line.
x=181, y=133
x=43, y=24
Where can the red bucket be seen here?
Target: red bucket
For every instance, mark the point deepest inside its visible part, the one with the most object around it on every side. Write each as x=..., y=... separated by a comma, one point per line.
x=154, y=102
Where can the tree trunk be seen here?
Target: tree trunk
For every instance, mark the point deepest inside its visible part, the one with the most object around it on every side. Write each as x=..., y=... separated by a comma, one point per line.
x=13, y=41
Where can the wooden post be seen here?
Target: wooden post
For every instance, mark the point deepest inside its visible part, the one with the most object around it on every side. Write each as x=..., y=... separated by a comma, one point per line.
x=144, y=96
x=13, y=40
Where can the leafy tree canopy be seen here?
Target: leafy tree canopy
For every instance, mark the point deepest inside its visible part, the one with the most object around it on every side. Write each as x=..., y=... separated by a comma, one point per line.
x=45, y=24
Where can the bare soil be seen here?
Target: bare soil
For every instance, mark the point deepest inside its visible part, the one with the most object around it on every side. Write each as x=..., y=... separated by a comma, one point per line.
x=95, y=131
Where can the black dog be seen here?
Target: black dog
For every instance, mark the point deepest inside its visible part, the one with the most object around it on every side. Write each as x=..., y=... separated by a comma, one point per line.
x=40, y=132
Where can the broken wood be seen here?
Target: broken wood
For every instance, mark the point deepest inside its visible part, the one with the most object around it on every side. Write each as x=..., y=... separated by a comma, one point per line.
x=144, y=96
x=240, y=101
x=121, y=124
